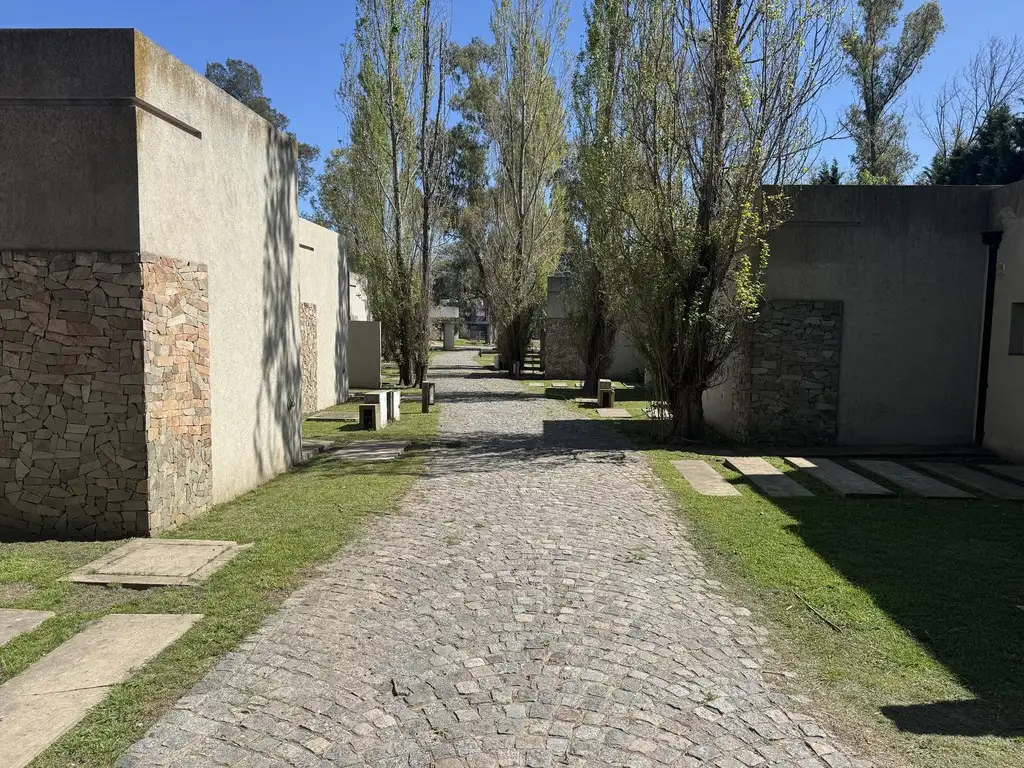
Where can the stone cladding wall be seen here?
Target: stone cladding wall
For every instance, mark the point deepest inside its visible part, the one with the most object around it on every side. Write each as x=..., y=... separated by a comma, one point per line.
x=177, y=367
x=793, y=385
x=307, y=356
x=560, y=358
x=72, y=420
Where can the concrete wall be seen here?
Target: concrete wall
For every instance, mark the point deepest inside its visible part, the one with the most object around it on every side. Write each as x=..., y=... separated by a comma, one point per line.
x=908, y=265
x=68, y=167
x=324, y=281
x=357, y=309
x=1004, y=412
x=217, y=186
x=364, y=354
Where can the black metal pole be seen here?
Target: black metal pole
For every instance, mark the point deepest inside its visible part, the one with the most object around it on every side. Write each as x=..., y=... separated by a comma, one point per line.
x=992, y=240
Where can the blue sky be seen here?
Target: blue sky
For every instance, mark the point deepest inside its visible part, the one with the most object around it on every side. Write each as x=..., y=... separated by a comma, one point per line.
x=296, y=45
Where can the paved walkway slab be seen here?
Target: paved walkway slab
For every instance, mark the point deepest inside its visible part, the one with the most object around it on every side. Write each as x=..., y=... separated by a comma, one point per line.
x=915, y=482
x=159, y=562
x=16, y=622
x=704, y=478
x=772, y=481
x=370, y=450
x=839, y=478
x=333, y=416
x=536, y=600
x=993, y=486
x=1012, y=471
x=46, y=700
x=613, y=413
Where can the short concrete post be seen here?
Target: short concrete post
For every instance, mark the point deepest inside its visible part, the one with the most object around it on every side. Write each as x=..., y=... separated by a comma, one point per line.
x=394, y=405
x=428, y=396
x=380, y=399
x=449, y=336
x=497, y=361
x=515, y=370
x=605, y=393
x=369, y=416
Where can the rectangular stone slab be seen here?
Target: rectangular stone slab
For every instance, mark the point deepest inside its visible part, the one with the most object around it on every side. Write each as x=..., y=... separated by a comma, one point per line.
x=839, y=478
x=46, y=700
x=14, y=622
x=1012, y=471
x=159, y=562
x=613, y=413
x=704, y=478
x=913, y=481
x=766, y=477
x=370, y=450
x=993, y=486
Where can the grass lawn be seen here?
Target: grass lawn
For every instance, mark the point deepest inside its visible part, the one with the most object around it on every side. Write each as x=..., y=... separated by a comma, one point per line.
x=928, y=596
x=296, y=520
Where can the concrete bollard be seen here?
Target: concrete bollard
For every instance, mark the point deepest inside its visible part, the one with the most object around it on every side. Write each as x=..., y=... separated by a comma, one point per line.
x=428, y=396
x=605, y=394
x=380, y=399
x=394, y=404
x=515, y=370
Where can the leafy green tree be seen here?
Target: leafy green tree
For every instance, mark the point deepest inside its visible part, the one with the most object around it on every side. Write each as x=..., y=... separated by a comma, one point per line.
x=596, y=234
x=880, y=71
x=994, y=156
x=525, y=124
x=242, y=81
x=716, y=97
x=828, y=174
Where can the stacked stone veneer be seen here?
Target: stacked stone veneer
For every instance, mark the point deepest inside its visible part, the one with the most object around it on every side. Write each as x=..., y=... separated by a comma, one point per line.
x=560, y=358
x=72, y=418
x=177, y=370
x=786, y=374
x=307, y=355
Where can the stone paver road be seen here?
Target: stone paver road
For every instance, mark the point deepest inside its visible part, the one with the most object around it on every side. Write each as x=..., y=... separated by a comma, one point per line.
x=534, y=603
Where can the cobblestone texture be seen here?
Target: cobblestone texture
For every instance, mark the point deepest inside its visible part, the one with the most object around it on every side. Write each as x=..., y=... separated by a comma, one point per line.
x=177, y=358
x=535, y=602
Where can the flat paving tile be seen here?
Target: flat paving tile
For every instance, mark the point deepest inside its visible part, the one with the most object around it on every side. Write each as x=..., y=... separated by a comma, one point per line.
x=842, y=480
x=561, y=385
x=1012, y=471
x=705, y=479
x=613, y=413
x=772, y=481
x=370, y=450
x=159, y=562
x=535, y=600
x=333, y=417
x=993, y=486
x=915, y=482
x=46, y=700
x=15, y=622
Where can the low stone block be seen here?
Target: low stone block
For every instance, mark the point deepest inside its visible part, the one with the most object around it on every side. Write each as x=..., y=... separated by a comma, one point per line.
x=16, y=622
x=159, y=562
x=704, y=478
x=1012, y=471
x=993, y=486
x=766, y=477
x=838, y=477
x=915, y=482
x=46, y=700
x=613, y=413
x=367, y=450
x=371, y=416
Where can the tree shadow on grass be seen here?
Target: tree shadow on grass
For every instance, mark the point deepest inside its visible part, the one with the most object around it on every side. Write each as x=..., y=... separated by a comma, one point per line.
x=951, y=573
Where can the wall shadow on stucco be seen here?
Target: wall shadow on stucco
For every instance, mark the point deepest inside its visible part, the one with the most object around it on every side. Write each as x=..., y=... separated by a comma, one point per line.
x=341, y=334
x=948, y=572
x=277, y=429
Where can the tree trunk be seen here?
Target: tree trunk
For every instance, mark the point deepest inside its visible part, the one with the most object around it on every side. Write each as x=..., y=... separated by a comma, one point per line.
x=688, y=414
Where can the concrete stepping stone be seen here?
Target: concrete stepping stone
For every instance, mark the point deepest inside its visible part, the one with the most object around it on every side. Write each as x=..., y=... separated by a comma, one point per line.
x=993, y=486
x=46, y=700
x=536, y=384
x=335, y=416
x=772, y=481
x=613, y=413
x=704, y=478
x=560, y=385
x=1012, y=471
x=839, y=478
x=915, y=482
x=159, y=562
x=16, y=622
x=370, y=450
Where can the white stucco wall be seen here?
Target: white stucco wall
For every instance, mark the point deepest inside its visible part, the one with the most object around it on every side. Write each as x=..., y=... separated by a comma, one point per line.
x=1004, y=411
x=228, y=200
x=357, y=309
x=324, y=281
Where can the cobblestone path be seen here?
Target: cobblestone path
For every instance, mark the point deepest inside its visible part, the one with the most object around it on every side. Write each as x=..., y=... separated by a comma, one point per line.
x=534, y=603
